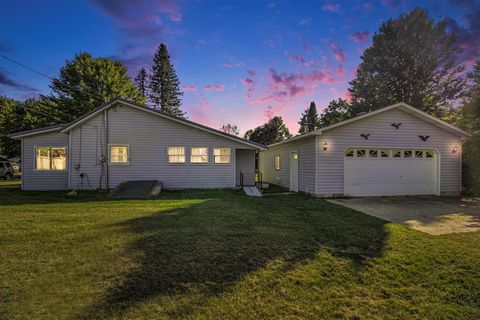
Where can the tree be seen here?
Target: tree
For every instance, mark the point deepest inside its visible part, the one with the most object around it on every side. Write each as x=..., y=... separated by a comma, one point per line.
x=141, y=81
x=16, y=116
x=309, y=120
x=86, y=83
x=271, y=132
x=336, y=111
x=230, y=129
x=164, y=84
x=470, y=115
x=414, y=60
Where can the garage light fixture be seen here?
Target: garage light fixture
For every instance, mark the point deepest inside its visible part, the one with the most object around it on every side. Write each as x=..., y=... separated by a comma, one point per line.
x=325, y=146
x=455, y=149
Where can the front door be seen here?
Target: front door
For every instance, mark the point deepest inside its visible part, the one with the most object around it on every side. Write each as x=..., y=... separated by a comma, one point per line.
x=294, y=171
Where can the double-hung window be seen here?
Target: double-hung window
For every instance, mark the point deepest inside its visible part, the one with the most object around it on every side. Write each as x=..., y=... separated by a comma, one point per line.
x=119, y=154
x=50, y=158
x=176, y=154
x=221, y=155
x=199, y=155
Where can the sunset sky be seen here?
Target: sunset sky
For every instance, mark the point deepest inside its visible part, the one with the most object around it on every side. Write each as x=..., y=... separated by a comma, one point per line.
x=238, y=61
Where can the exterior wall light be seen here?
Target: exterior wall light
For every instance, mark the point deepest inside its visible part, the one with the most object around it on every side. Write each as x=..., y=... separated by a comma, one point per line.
x=455, y=149
x=325, y=146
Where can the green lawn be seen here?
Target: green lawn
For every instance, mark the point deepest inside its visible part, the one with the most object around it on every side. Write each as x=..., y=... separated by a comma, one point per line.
x=10, y=183
x=221, y=255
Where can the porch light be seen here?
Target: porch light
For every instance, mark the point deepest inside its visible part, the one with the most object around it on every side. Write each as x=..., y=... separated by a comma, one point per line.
x=455, y=149
x=325, y=146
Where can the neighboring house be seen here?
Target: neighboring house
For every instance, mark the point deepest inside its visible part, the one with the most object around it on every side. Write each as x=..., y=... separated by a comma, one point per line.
x=122, y=141
x=396, y=150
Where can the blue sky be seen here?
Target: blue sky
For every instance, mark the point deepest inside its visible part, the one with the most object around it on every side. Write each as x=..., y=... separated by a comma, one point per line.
x=238, y=61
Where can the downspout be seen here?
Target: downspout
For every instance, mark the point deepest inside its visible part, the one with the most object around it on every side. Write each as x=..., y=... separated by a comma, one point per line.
x=107, y=149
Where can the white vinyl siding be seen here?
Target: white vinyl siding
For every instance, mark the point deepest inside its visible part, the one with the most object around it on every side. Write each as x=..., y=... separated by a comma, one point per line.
x=245, y=164
x=330, y=175
x=33, y=179
x=148, y=137
x=306, y=164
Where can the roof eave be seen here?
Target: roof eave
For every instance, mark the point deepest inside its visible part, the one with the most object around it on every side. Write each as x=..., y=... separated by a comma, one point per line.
x=144, y=108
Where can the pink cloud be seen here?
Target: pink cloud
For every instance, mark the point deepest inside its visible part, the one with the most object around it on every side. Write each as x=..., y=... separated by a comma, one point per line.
x=360, y=36
x=248, y=82
x=189, y=88
x=337, y=51
x=217, y=87
x=301, y=61
x=331, y=6
x=288, y=86
x=228, y=65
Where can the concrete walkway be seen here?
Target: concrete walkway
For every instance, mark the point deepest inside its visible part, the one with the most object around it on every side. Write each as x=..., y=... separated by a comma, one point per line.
x=434, y=215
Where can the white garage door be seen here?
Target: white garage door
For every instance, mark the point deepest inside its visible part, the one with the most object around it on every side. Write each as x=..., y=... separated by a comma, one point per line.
x=390, y=172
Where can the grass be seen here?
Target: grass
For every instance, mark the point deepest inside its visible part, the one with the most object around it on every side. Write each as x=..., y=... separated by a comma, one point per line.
x=10, y=183
x=220, y=255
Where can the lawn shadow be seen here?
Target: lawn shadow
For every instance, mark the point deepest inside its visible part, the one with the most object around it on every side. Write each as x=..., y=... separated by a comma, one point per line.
x=213, y=244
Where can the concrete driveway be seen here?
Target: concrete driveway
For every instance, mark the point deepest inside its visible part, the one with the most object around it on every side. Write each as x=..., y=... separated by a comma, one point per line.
x=434, y=215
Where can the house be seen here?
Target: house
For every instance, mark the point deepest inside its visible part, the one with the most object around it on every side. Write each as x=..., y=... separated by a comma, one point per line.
x=122, y=141
x=396, y=150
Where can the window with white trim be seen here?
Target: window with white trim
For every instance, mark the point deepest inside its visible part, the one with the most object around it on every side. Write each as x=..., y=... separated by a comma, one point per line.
x=50, y=158
x=199, y=155
x=176, y=154
x=119, y=154
x=221, y=155
x=277, y=162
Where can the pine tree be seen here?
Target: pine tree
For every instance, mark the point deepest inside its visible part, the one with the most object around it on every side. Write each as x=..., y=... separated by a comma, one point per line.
x=141, y=81
x=309, y=120
x=164, y=84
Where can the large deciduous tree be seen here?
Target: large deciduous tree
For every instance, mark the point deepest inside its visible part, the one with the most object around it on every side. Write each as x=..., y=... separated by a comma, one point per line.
x=271, y=132
x=86, y=82
x=309, y=120
x=414, y=60
x=164, y=84
x=17, y=116
x=336, y=111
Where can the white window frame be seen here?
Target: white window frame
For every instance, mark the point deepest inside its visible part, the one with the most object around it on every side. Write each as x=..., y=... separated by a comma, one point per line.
x=192, y=155
x=277, y=168
x=177, y=155
x=222, y=163
x=50, y=169
x=110, y=154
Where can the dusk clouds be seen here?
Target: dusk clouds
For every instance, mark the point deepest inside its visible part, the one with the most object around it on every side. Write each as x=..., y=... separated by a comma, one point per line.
x=360, y=36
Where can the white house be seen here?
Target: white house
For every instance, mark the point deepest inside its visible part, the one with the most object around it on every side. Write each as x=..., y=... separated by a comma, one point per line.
x=122, y=141
x=396, y=150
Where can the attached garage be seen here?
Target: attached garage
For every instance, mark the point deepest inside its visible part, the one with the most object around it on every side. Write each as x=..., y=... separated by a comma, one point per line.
x=390, y=172
x=394, y=151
